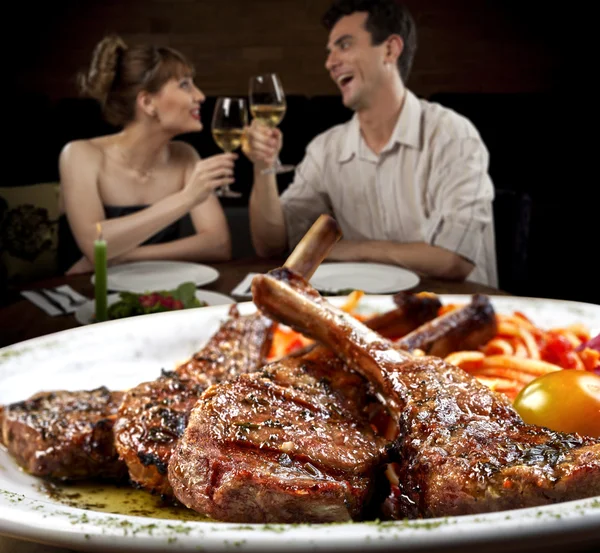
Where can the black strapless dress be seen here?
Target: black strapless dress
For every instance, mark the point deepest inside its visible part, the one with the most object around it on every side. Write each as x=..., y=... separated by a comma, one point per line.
x=69, y=252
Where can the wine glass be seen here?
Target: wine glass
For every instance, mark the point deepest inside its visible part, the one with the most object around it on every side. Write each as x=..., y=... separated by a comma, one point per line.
x=228, y=122
x=267, y=104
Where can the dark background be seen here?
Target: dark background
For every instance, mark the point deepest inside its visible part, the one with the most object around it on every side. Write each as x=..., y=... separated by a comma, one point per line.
x=522, y=71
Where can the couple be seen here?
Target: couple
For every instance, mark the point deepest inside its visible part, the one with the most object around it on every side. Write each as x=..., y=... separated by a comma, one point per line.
x=406, y=179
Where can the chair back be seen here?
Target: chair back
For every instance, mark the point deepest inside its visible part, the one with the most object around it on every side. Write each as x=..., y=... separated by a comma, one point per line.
x=512, y=223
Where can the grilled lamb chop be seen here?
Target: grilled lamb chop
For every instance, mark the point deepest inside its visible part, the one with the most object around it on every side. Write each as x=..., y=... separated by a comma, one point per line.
x=290, y=443
x=462, y=448
x=65, y=435
x=293, y=442
x=154, y=414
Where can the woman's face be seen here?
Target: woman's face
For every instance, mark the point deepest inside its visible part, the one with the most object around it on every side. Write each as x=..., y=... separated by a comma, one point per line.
x=177, y=105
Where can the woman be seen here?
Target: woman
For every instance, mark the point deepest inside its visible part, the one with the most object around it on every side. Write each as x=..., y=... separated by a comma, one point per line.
x=139, y=183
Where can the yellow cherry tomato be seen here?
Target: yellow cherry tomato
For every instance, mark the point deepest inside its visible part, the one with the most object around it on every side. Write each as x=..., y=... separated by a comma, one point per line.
x=566, y=401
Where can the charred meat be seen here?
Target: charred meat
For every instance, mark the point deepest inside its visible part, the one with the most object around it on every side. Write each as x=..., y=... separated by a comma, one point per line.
x=154, y=414
x=466, y=328
x=65, y=435
x=461, y=447
x=412, y=311
x=291, y=443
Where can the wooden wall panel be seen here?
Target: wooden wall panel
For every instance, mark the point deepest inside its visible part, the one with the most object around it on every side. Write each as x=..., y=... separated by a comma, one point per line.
x=465, y=45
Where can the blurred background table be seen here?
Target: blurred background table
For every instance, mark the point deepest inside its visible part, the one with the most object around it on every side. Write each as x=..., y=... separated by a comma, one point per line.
x=22, y=320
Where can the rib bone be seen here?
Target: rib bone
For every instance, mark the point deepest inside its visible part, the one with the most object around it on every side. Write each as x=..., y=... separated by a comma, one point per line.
x=314, y=246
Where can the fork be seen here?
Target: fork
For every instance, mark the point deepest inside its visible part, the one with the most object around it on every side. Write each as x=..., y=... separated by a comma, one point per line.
x=73, y=302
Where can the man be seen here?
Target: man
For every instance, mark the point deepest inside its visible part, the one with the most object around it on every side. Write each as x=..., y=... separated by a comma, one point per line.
x=406, y=179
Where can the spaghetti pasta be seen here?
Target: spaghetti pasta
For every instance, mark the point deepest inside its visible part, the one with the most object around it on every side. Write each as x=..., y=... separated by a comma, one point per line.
x=522, y=351
x=518, y=353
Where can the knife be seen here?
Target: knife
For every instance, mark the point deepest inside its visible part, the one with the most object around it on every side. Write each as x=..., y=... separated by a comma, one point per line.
x=51, y=300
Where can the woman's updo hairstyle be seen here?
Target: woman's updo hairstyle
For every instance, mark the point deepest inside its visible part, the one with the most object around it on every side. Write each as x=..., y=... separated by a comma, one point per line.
x=118, y=73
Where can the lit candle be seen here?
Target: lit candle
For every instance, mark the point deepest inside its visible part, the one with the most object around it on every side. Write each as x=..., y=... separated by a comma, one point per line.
x=100, y=278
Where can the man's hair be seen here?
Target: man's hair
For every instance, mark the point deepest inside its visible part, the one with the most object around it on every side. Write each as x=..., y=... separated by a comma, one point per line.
x=385, y=18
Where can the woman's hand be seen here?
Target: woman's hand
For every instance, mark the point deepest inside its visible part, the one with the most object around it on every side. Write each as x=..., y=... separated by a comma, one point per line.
x=262, y=144
x=209, y=174
x=82, y=266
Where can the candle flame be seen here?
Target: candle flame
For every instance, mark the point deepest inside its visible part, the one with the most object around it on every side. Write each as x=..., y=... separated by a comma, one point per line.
x=99, y=231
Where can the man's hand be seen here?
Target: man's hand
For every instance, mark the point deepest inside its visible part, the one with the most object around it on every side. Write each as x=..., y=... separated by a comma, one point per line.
x=261, y=144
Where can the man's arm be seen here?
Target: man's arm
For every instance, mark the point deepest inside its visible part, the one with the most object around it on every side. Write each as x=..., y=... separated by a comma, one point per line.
x=277, y=223
x=267, y=220
x=416, y=256
x=461, y=206
x=461, y=209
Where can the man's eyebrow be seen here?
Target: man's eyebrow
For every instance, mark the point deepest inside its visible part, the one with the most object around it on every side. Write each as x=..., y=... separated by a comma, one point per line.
x=339, y=41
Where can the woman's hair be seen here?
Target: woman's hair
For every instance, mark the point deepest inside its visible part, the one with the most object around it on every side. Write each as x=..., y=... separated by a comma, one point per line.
x=118, y=73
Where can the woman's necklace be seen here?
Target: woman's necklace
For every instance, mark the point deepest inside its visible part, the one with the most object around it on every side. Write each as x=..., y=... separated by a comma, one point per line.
x=125, y=160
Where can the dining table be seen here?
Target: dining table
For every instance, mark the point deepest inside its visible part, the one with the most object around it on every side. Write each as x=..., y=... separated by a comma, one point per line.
x=22, y=320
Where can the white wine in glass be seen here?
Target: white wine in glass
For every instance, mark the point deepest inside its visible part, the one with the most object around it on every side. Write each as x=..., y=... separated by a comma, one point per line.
x=228, y=139
x=267, y=105
x=228, y=122
x=269, y=114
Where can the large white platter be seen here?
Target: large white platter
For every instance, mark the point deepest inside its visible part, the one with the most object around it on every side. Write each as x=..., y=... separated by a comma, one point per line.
x=122, y=353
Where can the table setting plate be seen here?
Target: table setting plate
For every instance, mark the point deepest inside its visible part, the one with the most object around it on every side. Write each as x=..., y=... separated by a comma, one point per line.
x=144, y=276
x=371, y=278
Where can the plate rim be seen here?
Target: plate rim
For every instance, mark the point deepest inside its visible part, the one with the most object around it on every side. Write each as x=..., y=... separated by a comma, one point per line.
x=129, y=533
x=243, y=308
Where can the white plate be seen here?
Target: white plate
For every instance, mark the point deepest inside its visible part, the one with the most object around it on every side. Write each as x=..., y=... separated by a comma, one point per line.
x=143, y=276
x=85, y=313
x=371, y=278
x=123, y=353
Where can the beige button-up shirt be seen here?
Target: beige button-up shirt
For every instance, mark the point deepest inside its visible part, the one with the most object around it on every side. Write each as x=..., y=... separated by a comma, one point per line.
x=430, y=183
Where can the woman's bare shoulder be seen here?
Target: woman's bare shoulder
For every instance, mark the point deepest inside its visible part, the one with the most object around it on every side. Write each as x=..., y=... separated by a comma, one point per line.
x=88, y=149
x=183, y=152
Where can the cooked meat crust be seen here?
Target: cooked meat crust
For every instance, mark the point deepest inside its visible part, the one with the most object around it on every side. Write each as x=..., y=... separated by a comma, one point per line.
x=290, y=443
x=461, y=448
x=154, y=414
x=65, y=435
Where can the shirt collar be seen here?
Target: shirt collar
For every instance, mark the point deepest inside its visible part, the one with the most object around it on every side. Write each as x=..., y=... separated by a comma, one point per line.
x=352, y=140
x=407, y=130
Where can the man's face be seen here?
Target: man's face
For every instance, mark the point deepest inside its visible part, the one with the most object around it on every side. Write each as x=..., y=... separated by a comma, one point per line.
x=353, y=62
